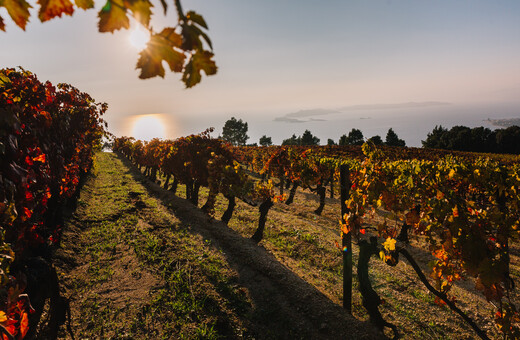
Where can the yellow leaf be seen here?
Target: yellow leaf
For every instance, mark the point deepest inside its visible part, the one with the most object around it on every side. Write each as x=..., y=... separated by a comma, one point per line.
x=141, y=10
x=3, y=317
x=18, y=10
x=84, y=4
x=451, y=174
x=389, y=244
x=113, y=17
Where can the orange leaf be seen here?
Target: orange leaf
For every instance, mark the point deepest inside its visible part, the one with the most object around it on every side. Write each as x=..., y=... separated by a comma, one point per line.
x=24, y=324
x=40, y=158
x=54, y=8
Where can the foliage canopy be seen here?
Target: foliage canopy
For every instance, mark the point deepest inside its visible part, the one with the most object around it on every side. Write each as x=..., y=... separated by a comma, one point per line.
x=185, y=48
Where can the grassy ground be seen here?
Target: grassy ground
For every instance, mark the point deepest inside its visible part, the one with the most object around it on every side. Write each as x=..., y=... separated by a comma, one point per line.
x=137, y=261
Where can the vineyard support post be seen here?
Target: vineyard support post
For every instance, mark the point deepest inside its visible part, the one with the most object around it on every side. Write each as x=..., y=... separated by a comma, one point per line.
x=346, y=243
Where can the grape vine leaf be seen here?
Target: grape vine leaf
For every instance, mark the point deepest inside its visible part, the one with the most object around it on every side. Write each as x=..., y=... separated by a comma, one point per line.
x=200, y=61
x=84, y=4
x=160, y=48
x=141, y=10
x=113, y=16
x=18, y=10
x=196, y=18
x=54, y=8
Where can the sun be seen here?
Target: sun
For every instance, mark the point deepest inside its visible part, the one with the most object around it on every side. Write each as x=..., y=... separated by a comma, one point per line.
x=139, y=37
x=147, y=127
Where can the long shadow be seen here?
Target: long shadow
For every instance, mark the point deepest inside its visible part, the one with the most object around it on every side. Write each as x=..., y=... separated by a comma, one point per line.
x=283, y=305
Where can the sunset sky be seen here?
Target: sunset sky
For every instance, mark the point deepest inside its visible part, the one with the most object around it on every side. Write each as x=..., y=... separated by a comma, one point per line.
x=287, y=66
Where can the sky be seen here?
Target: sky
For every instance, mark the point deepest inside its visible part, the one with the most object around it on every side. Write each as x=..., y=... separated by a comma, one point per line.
x=287, y=66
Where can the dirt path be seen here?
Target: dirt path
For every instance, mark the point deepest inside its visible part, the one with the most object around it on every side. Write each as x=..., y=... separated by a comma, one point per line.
x=137, y=261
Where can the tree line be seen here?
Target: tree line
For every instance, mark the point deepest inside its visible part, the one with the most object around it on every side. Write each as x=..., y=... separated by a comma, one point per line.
x=459, y=138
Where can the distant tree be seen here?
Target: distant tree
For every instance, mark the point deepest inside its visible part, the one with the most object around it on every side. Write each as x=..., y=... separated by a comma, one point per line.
x=393, y=140
x=331, y=142
x=437, y=139
x=235, y=132
x=376, y=140
x=292, y=141
x=343, y=140
x=508, y=140
x=265, y=141
x=355, y=137
x=308, y=139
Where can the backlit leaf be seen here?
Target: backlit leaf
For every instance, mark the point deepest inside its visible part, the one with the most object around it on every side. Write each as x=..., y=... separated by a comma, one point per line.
x=84, y=4
x=113, y=16
x=196, y=18
x=151, y=58
x=141, y=10
x=54, y=8
x=18, y=10
x=200, y=61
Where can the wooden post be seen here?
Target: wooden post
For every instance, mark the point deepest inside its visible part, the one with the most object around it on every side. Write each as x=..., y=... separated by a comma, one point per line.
x=346, y=239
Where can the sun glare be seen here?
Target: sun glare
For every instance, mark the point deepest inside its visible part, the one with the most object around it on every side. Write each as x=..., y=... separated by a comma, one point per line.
x=139, y=37
x=147, y=127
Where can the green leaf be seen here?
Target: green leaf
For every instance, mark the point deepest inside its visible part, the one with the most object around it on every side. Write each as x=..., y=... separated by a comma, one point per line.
x=200, y=61
x=196, y=18
x=141, y=10
x=158, y=50
x=84, y=4
x=113, y=17
x=54, y=8
x=18, y=10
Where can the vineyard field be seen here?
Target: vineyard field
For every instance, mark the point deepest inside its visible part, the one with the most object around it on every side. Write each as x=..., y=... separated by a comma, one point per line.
x=137, y=260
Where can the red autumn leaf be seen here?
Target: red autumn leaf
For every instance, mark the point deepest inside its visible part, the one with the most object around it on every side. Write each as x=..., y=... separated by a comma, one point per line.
x=27, y=212
x=28, y=195
x=54, y=8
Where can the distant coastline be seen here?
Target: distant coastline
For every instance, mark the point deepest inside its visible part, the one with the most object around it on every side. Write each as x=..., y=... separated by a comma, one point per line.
x=504, y=122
